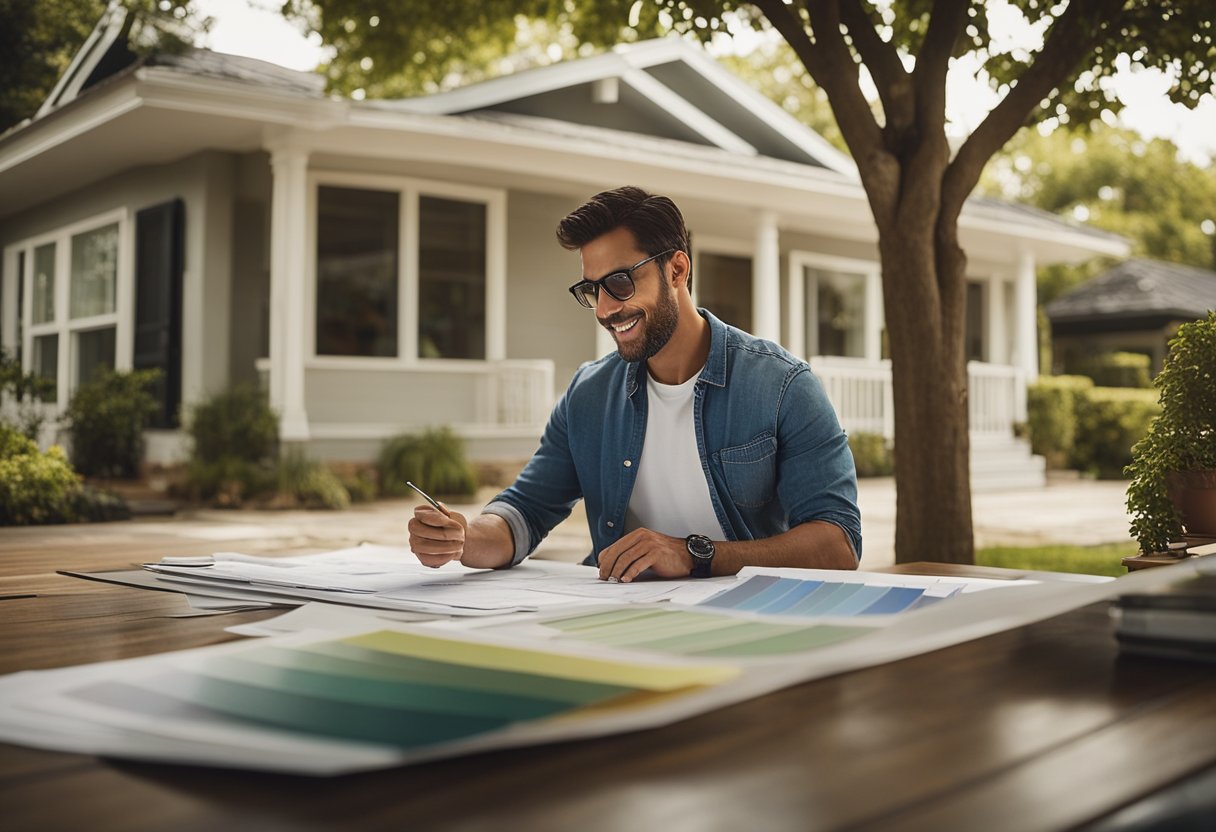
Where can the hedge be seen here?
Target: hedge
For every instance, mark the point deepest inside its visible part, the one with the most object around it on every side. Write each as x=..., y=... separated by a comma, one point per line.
x=1051, y=413
x=1110, y=420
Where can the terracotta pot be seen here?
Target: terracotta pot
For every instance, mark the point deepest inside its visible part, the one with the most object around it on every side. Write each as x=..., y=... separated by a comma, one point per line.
x=1194, y=495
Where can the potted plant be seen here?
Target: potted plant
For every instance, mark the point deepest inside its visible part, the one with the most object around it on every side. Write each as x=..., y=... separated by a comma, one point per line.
x=1172, y=493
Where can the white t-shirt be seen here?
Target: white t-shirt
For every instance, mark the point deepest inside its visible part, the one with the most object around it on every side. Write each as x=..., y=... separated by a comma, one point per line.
x=671, y=494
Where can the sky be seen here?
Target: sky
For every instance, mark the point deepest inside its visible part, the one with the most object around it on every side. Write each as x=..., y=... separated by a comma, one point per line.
x=255, y=28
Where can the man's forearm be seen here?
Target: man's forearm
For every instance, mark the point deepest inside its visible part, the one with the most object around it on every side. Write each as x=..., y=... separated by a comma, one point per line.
x=488, y=543
x=814, y=545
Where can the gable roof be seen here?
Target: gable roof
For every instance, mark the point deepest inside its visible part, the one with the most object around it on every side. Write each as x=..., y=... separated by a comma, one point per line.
x=1139, y=289
x=664, y=87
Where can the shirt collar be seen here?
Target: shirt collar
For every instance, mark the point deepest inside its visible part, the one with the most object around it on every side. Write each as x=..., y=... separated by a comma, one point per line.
x=714, y=371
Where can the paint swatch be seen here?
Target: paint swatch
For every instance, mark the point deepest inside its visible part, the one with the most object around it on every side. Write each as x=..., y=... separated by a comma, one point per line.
x=772, y=595
x=409, y=690
x=689, y=633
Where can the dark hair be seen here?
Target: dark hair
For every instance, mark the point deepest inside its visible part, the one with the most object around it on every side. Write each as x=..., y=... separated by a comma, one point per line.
x=655, y=222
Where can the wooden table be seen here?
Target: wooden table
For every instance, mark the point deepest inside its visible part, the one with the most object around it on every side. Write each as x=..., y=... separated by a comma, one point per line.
x=1040, y=728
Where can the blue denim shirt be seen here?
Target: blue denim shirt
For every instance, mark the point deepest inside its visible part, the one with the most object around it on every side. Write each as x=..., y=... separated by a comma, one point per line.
x=771, y=448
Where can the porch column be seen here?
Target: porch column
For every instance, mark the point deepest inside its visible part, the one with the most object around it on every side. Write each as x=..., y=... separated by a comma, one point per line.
x=766, y=280
x=998, y=338
x=288, y=213
x=1025, y=339
x=873, y=315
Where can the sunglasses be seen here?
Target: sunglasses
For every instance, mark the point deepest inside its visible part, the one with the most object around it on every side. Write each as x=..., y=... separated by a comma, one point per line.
x=618, y=285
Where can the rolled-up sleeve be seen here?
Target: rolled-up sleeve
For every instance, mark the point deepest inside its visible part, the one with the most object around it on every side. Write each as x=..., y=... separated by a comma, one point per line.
x=816, y=477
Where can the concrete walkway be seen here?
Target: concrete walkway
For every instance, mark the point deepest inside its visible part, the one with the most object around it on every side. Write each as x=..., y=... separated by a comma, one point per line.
x=1068, y=510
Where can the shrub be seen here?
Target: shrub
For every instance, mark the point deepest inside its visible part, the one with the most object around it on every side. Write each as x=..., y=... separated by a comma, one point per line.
x=306, y=482
x=35, y=487
x=236, y=423
x=106, y=419
x=1110, y=420
x=1051, y=411
x=236, y=438
x=435, y=461
x=1120, y=369
x=27, y=391
x=873, y=455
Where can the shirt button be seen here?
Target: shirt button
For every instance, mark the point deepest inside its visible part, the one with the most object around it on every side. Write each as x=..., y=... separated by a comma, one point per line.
x=611, y=525
x=628, y=463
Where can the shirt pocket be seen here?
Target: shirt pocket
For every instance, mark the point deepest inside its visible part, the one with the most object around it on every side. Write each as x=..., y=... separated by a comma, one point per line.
x=750, y=471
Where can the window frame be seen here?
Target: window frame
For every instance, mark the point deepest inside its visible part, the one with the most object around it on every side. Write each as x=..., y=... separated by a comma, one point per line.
x=804, y=334
x=63, y=326
x=409, y=191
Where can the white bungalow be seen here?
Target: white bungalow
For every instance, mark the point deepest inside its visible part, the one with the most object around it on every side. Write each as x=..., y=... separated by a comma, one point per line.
x=383, y=266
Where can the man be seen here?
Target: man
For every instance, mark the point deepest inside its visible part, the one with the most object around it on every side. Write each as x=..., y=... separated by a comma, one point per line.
x=698, y=448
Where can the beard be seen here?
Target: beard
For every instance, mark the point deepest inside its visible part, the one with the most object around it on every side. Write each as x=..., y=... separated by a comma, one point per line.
x=660, y=325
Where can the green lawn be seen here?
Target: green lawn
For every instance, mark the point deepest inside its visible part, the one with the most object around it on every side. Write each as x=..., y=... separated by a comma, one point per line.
x=1089, y=560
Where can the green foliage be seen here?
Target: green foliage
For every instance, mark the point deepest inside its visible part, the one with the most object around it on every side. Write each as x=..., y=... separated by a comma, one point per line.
x=1117, y=181
x=236, y=437
x=39, y=38
x=1051, y=408
x=35, y=487
x=873, y=455
x=106, y=419
x=1110, y=421
x=25, y=392
x=235, y=423
x=360, y=485
x=1182, y=439
x=306, y=482
x=434, y=461
x=1119, y=369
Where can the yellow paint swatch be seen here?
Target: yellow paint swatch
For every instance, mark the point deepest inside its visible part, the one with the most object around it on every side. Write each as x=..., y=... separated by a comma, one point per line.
x=497, y=657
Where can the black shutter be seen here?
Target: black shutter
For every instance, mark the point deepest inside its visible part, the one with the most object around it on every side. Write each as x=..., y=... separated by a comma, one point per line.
x=158, y=303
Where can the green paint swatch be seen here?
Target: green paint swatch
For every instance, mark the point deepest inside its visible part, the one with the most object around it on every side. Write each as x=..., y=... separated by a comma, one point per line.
x=699, y=634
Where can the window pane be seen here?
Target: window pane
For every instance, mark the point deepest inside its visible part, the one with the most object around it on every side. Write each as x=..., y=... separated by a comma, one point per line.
x=357, y=272
x=44, y=284
x=452, y=279
x=94, y=272
x=975, y=321
x=839, y=300
x=46, y=361
x=724, y=286
x=94, y=352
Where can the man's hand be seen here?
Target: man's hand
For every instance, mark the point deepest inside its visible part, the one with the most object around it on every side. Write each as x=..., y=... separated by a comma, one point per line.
x=435, y=537
x=644, y=549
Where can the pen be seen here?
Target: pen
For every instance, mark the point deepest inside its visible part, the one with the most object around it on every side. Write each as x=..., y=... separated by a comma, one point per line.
x=427, y=497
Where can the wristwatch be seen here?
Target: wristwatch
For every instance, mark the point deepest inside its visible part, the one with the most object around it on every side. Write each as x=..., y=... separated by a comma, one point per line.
x=702, y=550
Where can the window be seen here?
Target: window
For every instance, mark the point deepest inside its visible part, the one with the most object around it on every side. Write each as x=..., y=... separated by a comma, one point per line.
x=723, y=284
x=357, y=272
x=451, y=279
x=71, y=280
x=835, y=312
x=406, y=269
x=975, y=328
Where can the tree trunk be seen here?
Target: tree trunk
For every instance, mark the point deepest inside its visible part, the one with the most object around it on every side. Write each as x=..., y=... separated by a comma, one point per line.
x=925, y=292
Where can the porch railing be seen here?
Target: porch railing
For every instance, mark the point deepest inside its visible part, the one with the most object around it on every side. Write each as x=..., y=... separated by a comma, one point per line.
x=860, y=390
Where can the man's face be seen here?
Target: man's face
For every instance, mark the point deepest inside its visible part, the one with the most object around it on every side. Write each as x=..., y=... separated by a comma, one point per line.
x=642, y=325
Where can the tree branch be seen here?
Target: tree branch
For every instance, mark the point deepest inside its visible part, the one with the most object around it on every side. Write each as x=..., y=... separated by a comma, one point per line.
x=882, y=60
x=1070, y=40
x=933, y=62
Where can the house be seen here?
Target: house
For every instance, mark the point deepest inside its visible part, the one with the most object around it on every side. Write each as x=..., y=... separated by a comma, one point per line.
x=1134, y=306
x=382, y=266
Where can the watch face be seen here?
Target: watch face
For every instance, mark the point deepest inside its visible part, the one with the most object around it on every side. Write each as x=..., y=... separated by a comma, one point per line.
x=700, y=546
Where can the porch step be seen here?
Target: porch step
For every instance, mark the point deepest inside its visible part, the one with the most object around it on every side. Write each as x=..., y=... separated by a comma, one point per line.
x=1004, y=463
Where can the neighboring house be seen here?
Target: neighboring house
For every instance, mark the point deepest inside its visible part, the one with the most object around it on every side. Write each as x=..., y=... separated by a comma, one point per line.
x=383, y=266
x=1135, y=306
